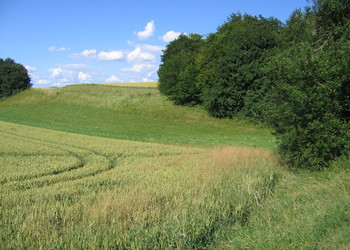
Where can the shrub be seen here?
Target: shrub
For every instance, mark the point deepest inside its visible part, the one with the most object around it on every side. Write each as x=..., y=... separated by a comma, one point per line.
x=307, y=112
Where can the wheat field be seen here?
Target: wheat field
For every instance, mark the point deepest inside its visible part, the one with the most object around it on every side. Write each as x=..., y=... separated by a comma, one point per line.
x=62, y=190
x=130, y=170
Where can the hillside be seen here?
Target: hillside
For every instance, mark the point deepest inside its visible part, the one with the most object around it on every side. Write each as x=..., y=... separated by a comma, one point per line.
x=131, y=113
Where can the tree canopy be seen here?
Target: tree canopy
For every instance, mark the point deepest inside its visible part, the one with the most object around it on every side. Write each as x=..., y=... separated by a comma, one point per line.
x=293, y=77
x=13, y=78
x=178, y=70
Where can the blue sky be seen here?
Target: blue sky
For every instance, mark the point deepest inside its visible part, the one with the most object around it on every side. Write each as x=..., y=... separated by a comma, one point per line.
x=99, y=41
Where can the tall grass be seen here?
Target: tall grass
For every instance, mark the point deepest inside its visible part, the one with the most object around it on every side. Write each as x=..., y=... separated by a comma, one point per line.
x=306, y=211
x=125, y=194
x=134, y=84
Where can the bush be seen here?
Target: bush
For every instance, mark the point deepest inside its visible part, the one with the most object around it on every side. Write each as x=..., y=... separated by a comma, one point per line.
x=13, y=78
x=307, y=112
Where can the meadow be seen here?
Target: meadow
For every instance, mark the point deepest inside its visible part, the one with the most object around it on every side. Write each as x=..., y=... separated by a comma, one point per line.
x=103, y=166
x=130, y=113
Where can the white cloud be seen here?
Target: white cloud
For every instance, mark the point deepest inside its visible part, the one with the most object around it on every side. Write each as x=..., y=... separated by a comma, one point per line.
x=113, y=78
x=138, y=56
x=84, y=77
x=61, y=75
x=145, y=79
x=147, y=47
x=75, y=66
x=56, y=72
x=170, y=36
x=141, y=67
x=152, y=48
x=40, y=82
x=55, y=49
x=147, y=32
x=110, y=56
x=29, y=68
x=58, y=84
x=91, y=54
x=152, y=73
x=86, y=54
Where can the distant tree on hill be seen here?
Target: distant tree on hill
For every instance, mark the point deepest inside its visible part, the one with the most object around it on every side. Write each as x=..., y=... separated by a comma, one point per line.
x=13, y=78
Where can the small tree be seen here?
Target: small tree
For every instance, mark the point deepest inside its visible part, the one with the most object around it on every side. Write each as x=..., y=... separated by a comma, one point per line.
x=13, y=78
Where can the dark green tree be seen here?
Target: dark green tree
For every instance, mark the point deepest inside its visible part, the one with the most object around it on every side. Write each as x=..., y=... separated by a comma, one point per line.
x=13, y=78
x=178, y=71
x=309, y=88
x=234, y=69
x=307, y=109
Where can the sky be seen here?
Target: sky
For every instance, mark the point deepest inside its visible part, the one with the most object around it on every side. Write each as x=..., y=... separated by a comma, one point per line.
x=106, y=41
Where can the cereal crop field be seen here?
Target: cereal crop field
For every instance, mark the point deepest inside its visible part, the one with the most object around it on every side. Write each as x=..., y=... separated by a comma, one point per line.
x=119, y=167
x=61, y=190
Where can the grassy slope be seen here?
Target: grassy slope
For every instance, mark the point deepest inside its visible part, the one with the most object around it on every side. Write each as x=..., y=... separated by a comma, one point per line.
x=139, y=114
x=304, y=210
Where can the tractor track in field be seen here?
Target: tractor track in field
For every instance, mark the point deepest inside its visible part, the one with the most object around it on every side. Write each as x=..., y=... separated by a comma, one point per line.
x=72, y=150
x=91, y=160
x=38, y=175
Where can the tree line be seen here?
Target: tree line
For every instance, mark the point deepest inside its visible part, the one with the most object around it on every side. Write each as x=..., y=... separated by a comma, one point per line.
x=293, y=76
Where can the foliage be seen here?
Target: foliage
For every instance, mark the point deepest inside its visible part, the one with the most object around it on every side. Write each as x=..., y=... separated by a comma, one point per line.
x=237, y=70
x=178, y=71
x=13, y=78
x=293, y=77
x=309, y=90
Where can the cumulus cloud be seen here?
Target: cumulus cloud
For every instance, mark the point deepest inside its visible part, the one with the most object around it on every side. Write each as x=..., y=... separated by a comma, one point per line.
x=57, y=72
x=137, y=55
x=84, y=77
x=110, y=56
x=75, y=66
x=141, y=67
x=170, y=36
x=85, y=54
x=63, y=75
x=55, y=49
x=147, y=32
x=88, y=53
x=152, y=48
x=113, y=78
x=41, y=82
x=91, y=54
x=29, y=68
